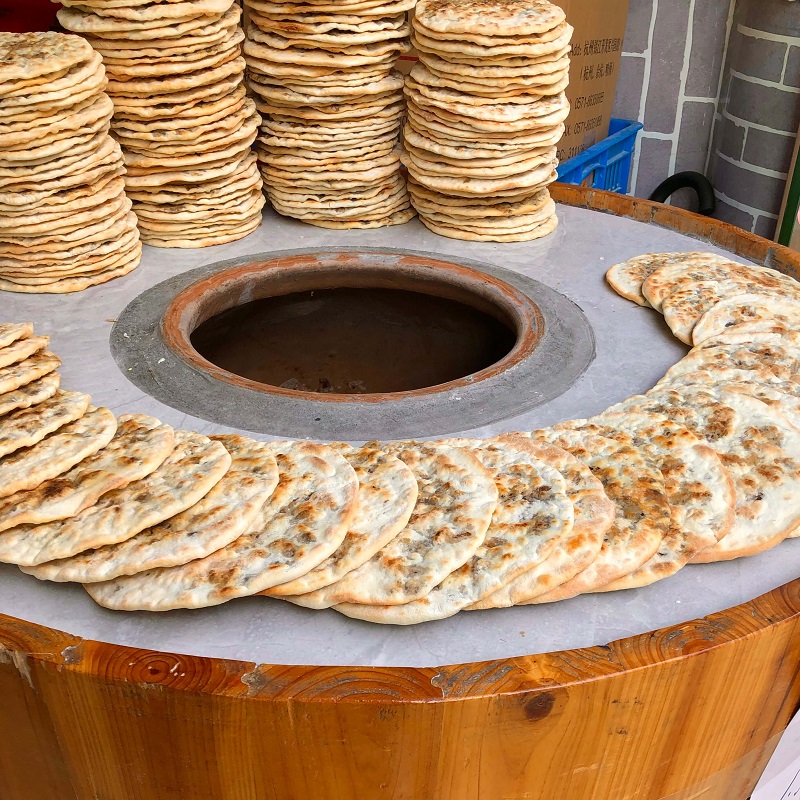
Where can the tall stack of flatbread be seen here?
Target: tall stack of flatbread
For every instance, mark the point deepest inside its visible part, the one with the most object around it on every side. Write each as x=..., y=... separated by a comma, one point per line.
x=324, y=80
x=65, y=222
x=176, y=78
x=486, y=107
x=704, y=467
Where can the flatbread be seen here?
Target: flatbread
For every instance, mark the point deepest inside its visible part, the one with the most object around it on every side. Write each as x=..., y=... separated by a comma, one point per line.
x=643, y=519
x=139, y=445
x=626, y=278
x=683, y=308
x=749, y=307
x=759, y=448
x=30, y=55
x=185, y=476
x=532, y=517
x=303, y=522
x=225, y=513
x=672, y=277
x=593, y=515
x=27, y=468
x=30, y=394
x=23, y=372
x=387, y=494
x=11, y=332
x=777, y=354
x=699, y=489
x=457, y=497
x=27, y=426
x=22, y=349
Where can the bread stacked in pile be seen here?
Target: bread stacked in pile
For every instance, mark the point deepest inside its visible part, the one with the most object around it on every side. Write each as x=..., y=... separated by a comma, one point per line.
x=486, y=105
x=704, y=467
x=181, y=114
x=65, y=223
x=323, y=74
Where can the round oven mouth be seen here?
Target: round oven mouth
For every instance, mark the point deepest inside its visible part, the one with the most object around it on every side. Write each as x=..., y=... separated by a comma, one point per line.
x=491, y=343
x=347, y=325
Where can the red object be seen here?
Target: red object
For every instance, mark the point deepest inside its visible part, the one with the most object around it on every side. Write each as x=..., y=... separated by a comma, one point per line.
x=22, y=16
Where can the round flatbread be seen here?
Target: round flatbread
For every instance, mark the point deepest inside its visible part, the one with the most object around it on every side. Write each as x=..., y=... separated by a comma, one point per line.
x=457, y=497
x=749, y=307
x=699, y=489
x=215, y=521
x=636, y=487
x=593, y=515
x=185, y=476
x=30, y=394
x=138, y=446
x=672, y=277
x=387, y=494
x=302, y=523
x=27, y=468
x=532, y=517
x=27, y=426
x=626, y=278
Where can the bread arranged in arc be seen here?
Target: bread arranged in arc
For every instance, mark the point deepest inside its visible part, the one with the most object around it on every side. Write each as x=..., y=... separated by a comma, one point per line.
x=704, y=467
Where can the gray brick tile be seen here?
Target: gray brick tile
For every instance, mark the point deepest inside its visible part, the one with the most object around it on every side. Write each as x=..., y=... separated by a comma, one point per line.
x=733, y=215
x=731, y=142
x=763, y=105
x=669, y=39
x=653, y=165
x=629, y=87
x=749, y=188
x=769, y=150
x=638, y=27
x=792, y=76
x=773, y=16
x=696, y=124
x=709, y=27
x=760, y=58
x=766, y=227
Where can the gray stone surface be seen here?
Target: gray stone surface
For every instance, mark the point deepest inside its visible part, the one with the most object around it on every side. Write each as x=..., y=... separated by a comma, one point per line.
x=729, y=213
x=640, y=14
x=761, y=58
x=563, y=353
x=731, y=139
x=629, y=87
x=654, y=160
x=669, y=39
x=774, y=16
x=764, y=105
x=792, y=75
x=749, y=188
x=695, y=133
x=769, y=150
x=709, y=27
x=634, y=350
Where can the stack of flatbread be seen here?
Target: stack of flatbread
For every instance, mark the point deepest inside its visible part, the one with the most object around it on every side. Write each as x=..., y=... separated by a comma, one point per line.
x=486, y=107
x=324, y=80
x=181, y=114
x=704, y=467
x=65, y=222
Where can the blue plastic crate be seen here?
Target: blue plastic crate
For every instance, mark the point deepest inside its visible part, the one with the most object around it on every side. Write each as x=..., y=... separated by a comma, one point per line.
x=607, y=164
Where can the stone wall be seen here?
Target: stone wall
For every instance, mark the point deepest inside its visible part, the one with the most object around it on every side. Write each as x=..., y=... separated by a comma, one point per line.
x=690, y=73
x=759, y=114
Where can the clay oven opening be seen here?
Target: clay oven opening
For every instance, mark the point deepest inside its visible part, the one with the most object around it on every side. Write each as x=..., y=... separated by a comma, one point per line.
x=354, y=340
x=348, y=325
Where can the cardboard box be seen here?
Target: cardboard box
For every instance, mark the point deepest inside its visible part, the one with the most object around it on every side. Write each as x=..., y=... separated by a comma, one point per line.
x=596, y=52
x=594, y=68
